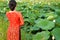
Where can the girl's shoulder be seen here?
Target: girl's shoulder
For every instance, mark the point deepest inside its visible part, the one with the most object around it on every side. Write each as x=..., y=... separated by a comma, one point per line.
x=7, y=13
x=13, y=12
x=18, y=12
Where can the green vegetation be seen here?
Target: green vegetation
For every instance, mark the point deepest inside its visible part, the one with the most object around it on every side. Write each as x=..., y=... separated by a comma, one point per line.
x=41, y=20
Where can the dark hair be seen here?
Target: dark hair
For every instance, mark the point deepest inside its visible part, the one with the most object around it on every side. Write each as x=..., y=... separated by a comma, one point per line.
x=12, y=4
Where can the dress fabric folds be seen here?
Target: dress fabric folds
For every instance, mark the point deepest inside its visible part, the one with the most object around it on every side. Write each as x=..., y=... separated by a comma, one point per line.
x=15, y=22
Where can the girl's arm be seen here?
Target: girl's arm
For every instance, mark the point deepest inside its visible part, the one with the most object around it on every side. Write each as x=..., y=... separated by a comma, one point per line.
x=21, y=19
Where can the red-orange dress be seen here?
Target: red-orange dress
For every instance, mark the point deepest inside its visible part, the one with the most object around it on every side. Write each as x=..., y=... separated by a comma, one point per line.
x=16, y=21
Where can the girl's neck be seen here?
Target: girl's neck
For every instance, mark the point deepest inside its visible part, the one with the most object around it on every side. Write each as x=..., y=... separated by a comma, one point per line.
x=13, y=11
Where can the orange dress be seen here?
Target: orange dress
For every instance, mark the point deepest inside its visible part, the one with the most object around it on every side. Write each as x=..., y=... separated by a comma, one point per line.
x=16, y=21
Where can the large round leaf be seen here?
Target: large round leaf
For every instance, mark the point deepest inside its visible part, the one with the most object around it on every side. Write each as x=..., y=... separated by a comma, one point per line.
x=34, y=28
x=45, y=24
x=58, y=20
x=51, y=16
x=56, y=33
x=58, y=12
x=41, y=36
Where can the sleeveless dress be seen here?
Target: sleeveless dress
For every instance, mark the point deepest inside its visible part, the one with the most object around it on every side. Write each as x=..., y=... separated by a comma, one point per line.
x=16, y=21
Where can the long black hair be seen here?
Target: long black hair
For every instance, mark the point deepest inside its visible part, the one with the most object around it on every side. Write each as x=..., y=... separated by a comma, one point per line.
x=12, y=5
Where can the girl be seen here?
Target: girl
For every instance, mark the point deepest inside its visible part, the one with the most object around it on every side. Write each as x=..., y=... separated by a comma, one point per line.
x=16, y=21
